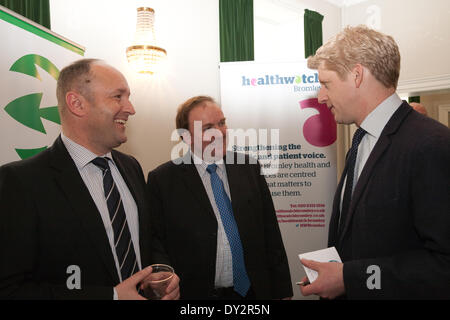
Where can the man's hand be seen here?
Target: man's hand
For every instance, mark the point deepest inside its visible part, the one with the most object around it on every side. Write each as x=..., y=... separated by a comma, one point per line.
x=126, y=290
x=330, y=282
x=173, y=289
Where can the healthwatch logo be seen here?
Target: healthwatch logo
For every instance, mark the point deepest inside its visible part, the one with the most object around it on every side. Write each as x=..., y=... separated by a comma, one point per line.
x=276, y=79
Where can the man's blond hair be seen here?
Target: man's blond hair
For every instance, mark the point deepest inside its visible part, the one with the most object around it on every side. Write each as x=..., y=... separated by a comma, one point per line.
x=360, y=45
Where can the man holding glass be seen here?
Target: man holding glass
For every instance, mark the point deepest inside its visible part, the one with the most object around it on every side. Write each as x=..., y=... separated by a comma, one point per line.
x=74, y=220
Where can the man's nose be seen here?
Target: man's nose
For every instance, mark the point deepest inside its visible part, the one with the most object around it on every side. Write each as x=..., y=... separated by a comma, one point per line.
x=322, y=97
x=129, y=108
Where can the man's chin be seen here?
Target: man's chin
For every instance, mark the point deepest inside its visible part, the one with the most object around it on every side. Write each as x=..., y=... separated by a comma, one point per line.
x=213, y=155
x=120, y=141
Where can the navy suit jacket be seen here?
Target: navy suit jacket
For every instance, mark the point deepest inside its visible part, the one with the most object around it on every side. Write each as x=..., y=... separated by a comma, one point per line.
x=399, y=216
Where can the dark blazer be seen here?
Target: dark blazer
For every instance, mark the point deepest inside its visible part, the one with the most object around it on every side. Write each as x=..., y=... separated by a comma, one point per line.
x=184, y=219
x=399, y=218
x=48, y=222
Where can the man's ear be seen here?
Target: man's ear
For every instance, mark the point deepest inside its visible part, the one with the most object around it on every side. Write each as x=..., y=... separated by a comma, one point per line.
x=76, y=103
x=358, y=74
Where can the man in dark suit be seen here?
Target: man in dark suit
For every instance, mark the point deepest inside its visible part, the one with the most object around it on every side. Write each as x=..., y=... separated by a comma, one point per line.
x=74, y=220
x=391, y=213
x=217, y=220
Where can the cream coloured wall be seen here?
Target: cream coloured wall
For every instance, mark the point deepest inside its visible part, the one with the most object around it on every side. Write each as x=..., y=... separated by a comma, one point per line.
x=433, y=102
x=421, y=31
x=188, y=30
x=279, y=31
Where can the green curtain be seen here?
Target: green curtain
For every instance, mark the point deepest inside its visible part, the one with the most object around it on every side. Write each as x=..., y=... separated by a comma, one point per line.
x=414, y=99
x=313, y=32
x=36, y=10
x=236, y=30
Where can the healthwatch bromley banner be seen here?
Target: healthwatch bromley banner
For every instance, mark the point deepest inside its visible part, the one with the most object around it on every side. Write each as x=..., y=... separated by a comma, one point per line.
x=274, y=115
x=30, y=61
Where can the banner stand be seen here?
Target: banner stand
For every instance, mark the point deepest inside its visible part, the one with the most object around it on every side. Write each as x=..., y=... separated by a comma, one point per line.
x=274, y=115
x=31, y=58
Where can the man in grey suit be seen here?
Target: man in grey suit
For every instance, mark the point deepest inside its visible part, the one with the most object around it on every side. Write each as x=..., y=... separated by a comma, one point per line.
x=74, y=220
x=216, y=218
x=391, y=212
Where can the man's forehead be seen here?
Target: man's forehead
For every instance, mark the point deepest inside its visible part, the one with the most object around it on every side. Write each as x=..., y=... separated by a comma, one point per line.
x=208, y=114
x=326, y=74
x=322, y=69
x=102, y=69
x=106, y=74
x=121, y=90
x=205, y=108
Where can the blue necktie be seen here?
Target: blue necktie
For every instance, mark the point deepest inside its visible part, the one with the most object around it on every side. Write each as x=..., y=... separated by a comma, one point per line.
x=241, y=281
x=359, y=134
x=122, y=237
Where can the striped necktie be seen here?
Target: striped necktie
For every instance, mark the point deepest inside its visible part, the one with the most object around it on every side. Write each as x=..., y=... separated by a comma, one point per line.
x=122, y=237
x=241, y=281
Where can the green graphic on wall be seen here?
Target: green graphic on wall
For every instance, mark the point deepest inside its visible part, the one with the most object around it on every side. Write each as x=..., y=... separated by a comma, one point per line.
x=26, y=109
x=31, y=59
x=27, y=65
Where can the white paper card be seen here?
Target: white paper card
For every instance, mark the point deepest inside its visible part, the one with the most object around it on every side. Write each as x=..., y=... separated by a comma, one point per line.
x=324, y=255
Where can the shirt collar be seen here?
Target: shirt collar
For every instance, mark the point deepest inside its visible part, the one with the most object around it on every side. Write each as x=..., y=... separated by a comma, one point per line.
x=80, y=155
x=203, y=165
x=375, y=122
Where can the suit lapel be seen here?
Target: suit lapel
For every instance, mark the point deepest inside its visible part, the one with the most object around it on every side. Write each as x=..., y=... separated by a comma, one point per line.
x=380, y=148
x=190, y=177
x=79, y=199
x=334, y=221
x=234, y=177
x=126, y=175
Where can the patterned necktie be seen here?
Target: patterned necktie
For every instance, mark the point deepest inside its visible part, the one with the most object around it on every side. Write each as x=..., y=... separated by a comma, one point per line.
x=359, y=134
x=241, y=281
x=122, y=237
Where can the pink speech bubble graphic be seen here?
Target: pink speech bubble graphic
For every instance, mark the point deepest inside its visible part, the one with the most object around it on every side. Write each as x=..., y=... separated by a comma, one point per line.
x=319, y=130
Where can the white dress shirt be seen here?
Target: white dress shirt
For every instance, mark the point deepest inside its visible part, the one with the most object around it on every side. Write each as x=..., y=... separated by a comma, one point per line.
x=224, y=259
x=373, y=124
x=93, y=179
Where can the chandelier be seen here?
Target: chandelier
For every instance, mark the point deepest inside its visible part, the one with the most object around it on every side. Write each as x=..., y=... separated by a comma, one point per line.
x=144, y=56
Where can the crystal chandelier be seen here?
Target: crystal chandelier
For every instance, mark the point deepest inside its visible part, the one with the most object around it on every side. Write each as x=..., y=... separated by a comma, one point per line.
x=144, y=56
